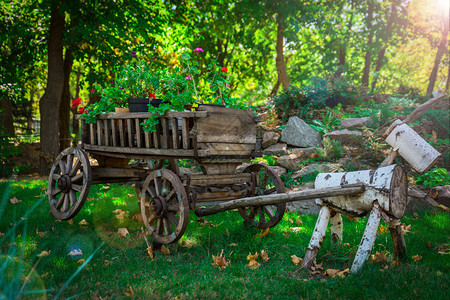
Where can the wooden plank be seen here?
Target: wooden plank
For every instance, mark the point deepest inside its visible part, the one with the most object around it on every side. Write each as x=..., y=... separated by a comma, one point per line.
x=142, y=151
x=130, y=133
x=220, y=196
x=165, y=132
x=84, y=132
x=235, y=126
x=121, y=134
x=114, y=132
x=147, y=139
x=91, y=127
x=281, y=198
x=175, y=133
x=207, y=149
x=99, y=133
x=138, y=133
x=207, y=180
x=185, y=132
x=99, y=172
x=169, y=114
x=106, y=126
x=155, y=135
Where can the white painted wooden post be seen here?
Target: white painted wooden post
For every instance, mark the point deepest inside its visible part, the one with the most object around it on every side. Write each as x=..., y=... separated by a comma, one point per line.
x=370, y=234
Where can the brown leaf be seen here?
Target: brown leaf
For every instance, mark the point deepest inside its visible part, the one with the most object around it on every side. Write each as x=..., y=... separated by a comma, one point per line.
x=317, y=266
x=83, y=222
x=130, y=195
x=204, y=222
x=428, y=244
x=378, y=257
x=263, y=233
x=298, y=222
x=129, y=292
x=44, y=253
x=417, y=257
x=228, y=232
x=41, y=234
x=70, y=221
x=383, y=229
x=150, y=252
x=331, y=273
x=106, y=262
x=343, y=272
x=264, y=255
x=98, y=283
x=81, y=261
x=352, y=219
x=286, y=234
x=164, y=250
x=105, y=187
x=296, y=229
x=253, y=264
x=233, y=245
x=296, y=260
x=120, y=214
x=252, y=256
x=220, y=261
x=415, y=215
x=14, y=200
x=138, y=217
x=406, y=229
x=123, y=232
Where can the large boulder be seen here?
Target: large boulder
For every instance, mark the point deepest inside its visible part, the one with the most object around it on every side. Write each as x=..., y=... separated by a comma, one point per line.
x=298, y=133
x=277, y=149
x=303, y=153
x=345, y=136
x=290, y=162
x=352, y=123
x=270, y=138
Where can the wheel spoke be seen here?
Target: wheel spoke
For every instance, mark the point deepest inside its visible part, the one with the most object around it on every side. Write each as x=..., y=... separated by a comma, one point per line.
x=262, y=216
x=157, y=186
x=268, y=210
x=173, y=218
x=270, y=191
x=69, y=163
x=151, y=191
x=167, y=227
x=76, y=177
x=75, y=167
x=77, y=187
x=170, y=195
x=173, y=207
x=73, y=197
x=60, y=201
x=56, y=177
x=62, y=167
x=151, y=220
x=66, y=203
x=56, y=191
x=158, y=226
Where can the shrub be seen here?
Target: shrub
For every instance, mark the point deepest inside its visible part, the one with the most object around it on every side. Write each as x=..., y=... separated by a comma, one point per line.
x=433, y=177
x=332, y=150
x=6, y=151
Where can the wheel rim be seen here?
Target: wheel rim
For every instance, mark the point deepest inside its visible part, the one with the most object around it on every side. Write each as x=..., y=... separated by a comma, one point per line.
x=267, y=182
x=168, y=163
x=69, y=183
x=164, y=206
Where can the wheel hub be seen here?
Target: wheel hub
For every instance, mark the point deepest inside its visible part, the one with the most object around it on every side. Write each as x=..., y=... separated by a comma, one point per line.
x=64, y=183
x=160, y=206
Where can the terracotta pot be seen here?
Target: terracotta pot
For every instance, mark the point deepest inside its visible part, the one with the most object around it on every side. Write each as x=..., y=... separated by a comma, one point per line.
x=122, y=110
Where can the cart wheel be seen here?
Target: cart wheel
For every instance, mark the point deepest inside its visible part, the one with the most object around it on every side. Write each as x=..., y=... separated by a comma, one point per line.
x=164, y=206
x=168, y=163
x=267, y=182
x=69, y=183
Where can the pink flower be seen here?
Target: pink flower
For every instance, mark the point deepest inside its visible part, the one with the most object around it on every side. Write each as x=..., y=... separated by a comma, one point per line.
x=227, y=85
x=188, y=78
x=80, y=110
x=198, y=50
x=92, y=91
x=76, y=102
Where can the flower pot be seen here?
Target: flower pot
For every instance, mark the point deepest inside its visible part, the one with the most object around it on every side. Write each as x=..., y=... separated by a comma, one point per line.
x=121, y=110
x=138, y=104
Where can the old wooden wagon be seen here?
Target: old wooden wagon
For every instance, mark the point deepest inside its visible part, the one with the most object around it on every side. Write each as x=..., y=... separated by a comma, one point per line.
x=218, y=139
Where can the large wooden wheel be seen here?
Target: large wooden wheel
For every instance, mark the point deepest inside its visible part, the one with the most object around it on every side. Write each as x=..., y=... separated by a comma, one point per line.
x=168, y=163
x=265, y=182
x=69, y=183
x=164, y=206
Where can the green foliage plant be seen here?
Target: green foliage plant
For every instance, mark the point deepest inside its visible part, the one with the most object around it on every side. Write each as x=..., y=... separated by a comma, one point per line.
x=331, y=150
x=433, y=177
x=7, y=150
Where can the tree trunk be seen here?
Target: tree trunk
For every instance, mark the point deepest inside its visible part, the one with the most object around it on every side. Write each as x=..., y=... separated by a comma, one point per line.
x=50, y=101
x=440, y=52
x=275, y=88
x=6, y=117
x=341, y=62
x=75, y=122
x=280, y=62
x=447, y=85
x=29, y=114
x=368, y=56
x=64, y=108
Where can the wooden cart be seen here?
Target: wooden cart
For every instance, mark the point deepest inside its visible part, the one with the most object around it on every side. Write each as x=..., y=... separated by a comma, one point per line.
x=218, y=139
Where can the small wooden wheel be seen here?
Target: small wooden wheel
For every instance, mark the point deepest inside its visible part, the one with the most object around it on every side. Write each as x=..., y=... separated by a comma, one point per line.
x=168, y=163
x=69, y=183
x=265, y=182
x=164, y=206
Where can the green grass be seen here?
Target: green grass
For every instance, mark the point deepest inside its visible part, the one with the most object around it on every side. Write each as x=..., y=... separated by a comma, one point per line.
x=115, y=264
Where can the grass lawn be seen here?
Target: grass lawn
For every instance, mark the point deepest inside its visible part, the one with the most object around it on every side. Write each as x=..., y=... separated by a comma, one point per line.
x=35, y=260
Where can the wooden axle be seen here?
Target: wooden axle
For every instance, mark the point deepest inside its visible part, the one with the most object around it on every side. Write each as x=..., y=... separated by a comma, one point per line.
x=352, y=189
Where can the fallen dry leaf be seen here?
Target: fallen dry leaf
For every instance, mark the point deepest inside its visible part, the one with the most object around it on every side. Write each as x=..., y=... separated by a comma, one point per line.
x=120, y=214
x=331, y=273
x=98, y=283
x=417, y=257
x=122, y=232
x=164, y=250
x=70, y=221
x=264, y=255
x=252, y=256
x=298, y=222
x=44, y=253
x=296, y=229
x=378, y=257
x=429, y=244
x=415, y=215
x=263, y=233
x=296, y=260
x=227, y=231
x=129, y=292
x=150, y=252
x=75, y=252
x=233, y=245
x=406, y=229
x=41, y=234
x=352, y=219
x=105, y=187
x=383, y=229
x=343, y=272
x=220, y=261
x=286, y=234
x=204, y=222
x=130, y=195
x=83, y=222
x=253, y=264
x=14, y=200
x=138, y=217
x=317, y=266
x=81, y=261
x=443, y=249
x=106, y=262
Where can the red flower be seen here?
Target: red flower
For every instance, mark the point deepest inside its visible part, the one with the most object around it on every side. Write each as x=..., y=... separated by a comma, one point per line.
x=152, y=95
x=224, y=69
x=76, y=102
x=80, y=110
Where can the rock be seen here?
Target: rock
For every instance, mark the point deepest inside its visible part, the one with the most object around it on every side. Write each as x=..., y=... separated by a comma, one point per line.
x=241, y=168
x=441, y=194
x=345, y=136
x=352, y=123
x=303, y=153
x=290, y=162
x=315, y=169
x=279, y=170
x=298, y=133
x=277, y=149
x=304, y=206
x=270, y=138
